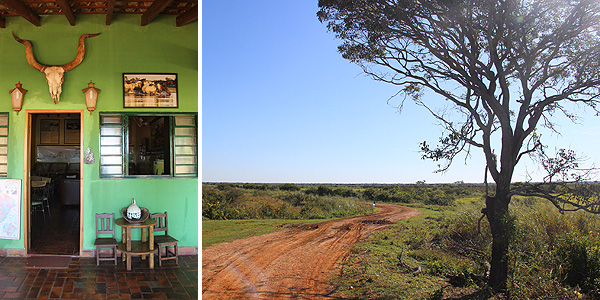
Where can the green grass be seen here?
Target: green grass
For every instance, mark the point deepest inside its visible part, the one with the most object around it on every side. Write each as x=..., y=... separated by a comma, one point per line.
x=399, y=263
x=444, y=252
x=223, y=231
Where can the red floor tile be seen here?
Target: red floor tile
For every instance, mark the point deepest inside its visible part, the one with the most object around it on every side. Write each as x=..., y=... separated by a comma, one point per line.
x=80, y=281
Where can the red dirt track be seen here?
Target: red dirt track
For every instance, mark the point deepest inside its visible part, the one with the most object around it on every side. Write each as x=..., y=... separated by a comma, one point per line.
x=295, y=263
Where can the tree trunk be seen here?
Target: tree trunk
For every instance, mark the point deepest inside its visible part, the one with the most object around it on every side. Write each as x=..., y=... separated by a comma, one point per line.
x=502, y=228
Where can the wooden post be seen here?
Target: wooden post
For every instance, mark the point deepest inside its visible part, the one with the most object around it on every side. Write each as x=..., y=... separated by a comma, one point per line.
x=144, y=240
x=151, y=245
x=124, y=241
x=128, y=248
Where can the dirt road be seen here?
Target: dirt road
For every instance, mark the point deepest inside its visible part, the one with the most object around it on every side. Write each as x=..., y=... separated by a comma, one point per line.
x=294, y=263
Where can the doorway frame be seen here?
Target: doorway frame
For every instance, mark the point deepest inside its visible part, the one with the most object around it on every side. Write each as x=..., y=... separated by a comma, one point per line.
x=27, y=172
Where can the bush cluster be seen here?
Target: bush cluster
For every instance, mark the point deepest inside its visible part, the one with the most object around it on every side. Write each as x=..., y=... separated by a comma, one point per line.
x=443, y=194
x=224, y=201
x=552, y=255
x=554, y=252
x=228, y=202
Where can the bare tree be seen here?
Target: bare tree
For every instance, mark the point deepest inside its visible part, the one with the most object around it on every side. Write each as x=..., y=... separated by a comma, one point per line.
x=506, y=67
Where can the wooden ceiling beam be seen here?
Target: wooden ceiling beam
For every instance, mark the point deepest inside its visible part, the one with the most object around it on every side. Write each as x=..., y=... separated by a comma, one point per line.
x=65, y=6
x=110, y=8
x=187, y=17
x=23, y=11
x=156, y=8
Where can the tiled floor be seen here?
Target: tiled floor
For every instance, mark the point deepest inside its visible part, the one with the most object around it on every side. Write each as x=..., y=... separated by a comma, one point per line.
x=84, y=280
x=59, y=234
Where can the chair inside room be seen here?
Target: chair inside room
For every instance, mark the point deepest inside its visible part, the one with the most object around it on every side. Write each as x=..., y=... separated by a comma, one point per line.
x=39, y=198
x=164, y=240
x=48, y=191
x=105, y=237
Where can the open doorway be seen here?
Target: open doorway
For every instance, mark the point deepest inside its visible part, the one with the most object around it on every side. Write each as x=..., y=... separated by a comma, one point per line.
x=54, y=177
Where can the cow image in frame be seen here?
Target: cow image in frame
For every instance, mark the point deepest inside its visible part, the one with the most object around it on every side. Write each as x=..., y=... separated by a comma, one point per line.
x=147, y=90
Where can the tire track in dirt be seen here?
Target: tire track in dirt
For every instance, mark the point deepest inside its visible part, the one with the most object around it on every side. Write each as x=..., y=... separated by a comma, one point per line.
x=295, y=263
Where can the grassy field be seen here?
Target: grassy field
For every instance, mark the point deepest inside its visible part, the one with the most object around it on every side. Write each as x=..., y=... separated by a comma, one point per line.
x=398, y=263
x=222, y=231
x=443, y=253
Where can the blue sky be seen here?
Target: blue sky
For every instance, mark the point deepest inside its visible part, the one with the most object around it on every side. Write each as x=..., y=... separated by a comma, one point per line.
x=280, y=104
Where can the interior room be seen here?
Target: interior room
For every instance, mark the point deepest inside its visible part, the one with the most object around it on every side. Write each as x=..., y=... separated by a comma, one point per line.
x=55, y=184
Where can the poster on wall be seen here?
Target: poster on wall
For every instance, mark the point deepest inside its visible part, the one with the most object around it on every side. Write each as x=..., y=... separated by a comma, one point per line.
x=10, y=208
x=49, y=132
x=68, y=154
x=149, y=90
x=72, y=127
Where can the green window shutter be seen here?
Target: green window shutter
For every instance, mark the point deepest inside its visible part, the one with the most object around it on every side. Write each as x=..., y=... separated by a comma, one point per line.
x=185, y=144
x=111, y=146
x=3, y=144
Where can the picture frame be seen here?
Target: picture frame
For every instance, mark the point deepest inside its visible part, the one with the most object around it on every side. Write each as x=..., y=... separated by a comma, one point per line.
x=49, y=131
x=72, y=128
x=150, y=90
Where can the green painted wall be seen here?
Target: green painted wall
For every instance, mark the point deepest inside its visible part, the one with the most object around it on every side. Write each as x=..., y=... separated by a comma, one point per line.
x=122, y=47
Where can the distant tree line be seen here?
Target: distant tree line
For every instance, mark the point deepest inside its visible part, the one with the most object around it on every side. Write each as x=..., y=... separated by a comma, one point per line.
x=309, y=201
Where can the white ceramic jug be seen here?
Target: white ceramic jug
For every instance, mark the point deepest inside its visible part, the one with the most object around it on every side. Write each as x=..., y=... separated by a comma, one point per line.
x=133, y=211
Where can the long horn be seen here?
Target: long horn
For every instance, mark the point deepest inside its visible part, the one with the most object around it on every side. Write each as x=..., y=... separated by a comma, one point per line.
x=80, y=53
x=29, y=54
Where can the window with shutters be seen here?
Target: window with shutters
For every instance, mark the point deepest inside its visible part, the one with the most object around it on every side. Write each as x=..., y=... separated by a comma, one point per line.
x=148, y=145
x=3, y=144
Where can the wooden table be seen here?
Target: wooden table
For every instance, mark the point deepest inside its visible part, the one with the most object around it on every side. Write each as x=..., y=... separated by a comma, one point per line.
x=143, y=247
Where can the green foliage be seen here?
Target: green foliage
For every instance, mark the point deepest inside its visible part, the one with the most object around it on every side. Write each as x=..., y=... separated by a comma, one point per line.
x=289, y=187
x=212, y=200
x=555, y=254
x=254, y=186
x=225, y=201
x=445, y=252
x=578, y=259
x=324, y=190
x=406, y=261
x=231, y=201
x=443, y=194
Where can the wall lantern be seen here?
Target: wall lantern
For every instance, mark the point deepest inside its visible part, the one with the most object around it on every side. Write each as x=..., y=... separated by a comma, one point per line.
x=16, y=95
x=91, y=96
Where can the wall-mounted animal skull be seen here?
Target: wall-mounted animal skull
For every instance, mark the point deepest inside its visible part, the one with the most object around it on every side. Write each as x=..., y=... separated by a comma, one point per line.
x=55, y=74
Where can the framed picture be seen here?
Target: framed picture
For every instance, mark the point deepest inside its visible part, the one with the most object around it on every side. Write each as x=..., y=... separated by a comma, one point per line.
x=150, y=90
x=72, y=127
x=49, y=131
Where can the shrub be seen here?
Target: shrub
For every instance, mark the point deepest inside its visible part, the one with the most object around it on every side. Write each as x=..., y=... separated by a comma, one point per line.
x=297, y=198
x=288, y=187
x=578, y=261
x=211, y=203
x=345, y=192
x=457, y=269
x=465, y=235
x=233, y=197
x=224, y=202
x=323, y=190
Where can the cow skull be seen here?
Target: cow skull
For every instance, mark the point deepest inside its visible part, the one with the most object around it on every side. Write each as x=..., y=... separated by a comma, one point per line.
x=54, y=74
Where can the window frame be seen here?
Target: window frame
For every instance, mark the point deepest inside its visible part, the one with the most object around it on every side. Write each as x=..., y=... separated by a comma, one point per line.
x=6, y=136
x=124, y=117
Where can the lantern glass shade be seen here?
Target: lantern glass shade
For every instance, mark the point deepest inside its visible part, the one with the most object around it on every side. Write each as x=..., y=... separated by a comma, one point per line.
x=91, y=96
x=16, y=95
